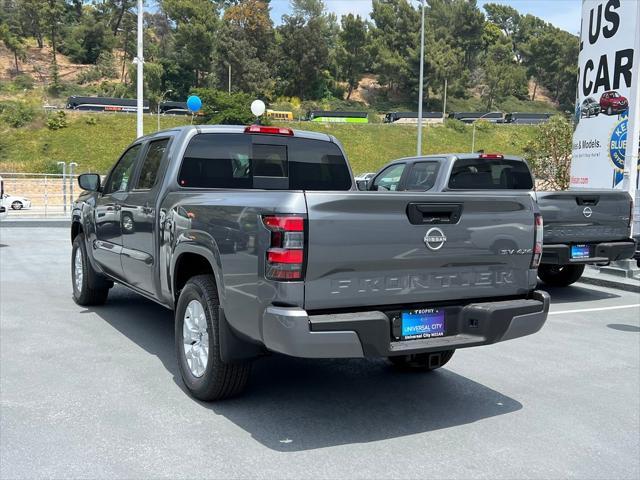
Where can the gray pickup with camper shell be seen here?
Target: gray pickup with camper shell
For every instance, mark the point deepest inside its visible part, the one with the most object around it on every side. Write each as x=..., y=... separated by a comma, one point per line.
x=260, y=242
x=581, y=227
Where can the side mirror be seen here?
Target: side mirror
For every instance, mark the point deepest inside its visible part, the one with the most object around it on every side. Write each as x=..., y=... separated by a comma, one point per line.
x=89, y=182
x=362, y=185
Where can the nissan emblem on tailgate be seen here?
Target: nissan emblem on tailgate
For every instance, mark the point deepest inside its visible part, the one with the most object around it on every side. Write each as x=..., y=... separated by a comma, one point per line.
x=587, y=212
x=435, y=239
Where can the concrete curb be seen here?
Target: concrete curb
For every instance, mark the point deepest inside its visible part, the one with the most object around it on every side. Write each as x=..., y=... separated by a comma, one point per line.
x=610, y=281
x=36, y=223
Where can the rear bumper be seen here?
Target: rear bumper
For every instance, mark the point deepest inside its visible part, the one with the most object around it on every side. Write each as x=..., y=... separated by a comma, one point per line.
x=560, y=254
x=290, y=330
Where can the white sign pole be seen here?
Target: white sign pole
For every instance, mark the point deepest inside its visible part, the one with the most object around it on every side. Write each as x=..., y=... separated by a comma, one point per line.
x=630, y=179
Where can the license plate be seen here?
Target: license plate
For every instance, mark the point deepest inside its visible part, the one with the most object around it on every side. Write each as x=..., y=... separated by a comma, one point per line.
x=580, y=251
x=424, y=323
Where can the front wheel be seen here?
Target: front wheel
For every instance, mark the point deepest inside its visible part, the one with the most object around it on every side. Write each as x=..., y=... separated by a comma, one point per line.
x=560, y=275
x=197, y=338
x=17, y=205
x=422, y=362
x=89, y=288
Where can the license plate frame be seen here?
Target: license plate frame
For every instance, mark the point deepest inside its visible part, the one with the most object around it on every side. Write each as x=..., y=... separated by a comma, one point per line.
x=423, y=323
x=580, y=251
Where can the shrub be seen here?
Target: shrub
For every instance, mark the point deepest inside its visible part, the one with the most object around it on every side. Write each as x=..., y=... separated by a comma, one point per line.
x=24, y=82
x=91, y=121
x=17, y=114
x=57, y=120
x=457, y=125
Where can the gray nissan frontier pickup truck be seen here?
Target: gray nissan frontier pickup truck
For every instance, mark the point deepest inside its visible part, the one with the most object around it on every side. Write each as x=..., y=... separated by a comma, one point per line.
x=258, y=240
x=581, y=227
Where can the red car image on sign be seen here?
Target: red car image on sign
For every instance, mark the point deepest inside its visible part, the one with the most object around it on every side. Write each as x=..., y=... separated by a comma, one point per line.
x=613, y=103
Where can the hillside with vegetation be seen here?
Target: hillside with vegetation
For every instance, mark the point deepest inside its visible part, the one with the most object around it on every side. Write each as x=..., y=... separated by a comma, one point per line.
x=493, y=58
x=95, y=141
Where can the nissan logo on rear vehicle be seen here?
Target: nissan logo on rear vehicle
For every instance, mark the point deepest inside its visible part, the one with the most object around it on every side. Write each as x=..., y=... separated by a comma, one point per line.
x=587, y=212
x=435, y=239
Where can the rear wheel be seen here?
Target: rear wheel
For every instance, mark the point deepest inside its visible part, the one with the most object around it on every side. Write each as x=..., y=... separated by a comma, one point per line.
x=422, y=362
x=560, y=275
x=89, y=288
x=197, y=337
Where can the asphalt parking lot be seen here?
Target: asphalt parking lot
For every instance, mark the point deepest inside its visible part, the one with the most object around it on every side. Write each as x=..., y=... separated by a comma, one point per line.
x=95, y=393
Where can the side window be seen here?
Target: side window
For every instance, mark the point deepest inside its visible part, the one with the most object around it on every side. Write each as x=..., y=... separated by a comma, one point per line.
x=422, y=176
x=121, y=174
x=151, y=164
x=389, y=178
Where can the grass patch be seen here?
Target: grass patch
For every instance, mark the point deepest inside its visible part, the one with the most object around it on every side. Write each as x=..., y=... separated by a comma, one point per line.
x=96, y=146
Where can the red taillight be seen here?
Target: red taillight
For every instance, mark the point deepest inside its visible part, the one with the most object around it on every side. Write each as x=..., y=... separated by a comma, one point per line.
x=269, y=130
x=537, y=241
x=285, y=255
x=492, y=156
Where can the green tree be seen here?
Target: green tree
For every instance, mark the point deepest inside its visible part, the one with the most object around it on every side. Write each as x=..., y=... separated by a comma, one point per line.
x=502, y=76
x=304, y=42
x=218, y=107
x=549, y=154
x=32, y=16
x=85, y=41
x=196, y=28
x=394, y=39
x=247, y=43
x=351, y=51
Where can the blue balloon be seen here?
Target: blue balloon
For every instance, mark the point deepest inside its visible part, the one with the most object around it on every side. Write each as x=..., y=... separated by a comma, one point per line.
x=194, y=103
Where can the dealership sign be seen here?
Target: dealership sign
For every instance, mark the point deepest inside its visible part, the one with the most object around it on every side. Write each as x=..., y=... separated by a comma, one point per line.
x=607, y=93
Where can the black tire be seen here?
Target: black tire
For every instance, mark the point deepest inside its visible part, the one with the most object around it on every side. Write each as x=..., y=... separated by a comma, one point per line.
x=94, y=288
x=220, y=379
x=422, y=362
x=17, y=205
x=560, y=275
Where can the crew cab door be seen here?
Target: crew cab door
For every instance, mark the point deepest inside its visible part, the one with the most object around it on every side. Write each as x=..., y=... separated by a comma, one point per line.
x=108, y=242
x=139, y=217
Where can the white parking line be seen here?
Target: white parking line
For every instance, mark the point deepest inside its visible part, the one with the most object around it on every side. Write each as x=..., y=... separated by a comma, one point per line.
x=617, y=307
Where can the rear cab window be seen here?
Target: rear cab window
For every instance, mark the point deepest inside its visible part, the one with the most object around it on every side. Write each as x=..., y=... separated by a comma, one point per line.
x=422, y=176
x=490, y=174
x=242, y=161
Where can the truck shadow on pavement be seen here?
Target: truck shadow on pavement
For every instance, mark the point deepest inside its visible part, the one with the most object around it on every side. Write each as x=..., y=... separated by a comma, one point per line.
x=576, y=293
x=298, y=404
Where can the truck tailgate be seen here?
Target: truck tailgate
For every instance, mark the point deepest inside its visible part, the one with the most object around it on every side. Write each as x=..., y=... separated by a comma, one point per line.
x=584, y=216
x=363, y=249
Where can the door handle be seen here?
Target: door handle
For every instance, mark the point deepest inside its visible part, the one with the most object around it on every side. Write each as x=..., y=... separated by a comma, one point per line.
x=433, y=213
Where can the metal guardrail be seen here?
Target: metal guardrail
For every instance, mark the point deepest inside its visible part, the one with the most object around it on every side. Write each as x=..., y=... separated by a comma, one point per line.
x=51, y=195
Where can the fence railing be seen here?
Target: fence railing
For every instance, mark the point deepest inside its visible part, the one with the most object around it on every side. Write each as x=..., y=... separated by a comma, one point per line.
x=51, y=195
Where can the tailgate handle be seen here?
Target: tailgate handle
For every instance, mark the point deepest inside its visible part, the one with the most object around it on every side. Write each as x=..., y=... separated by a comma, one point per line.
x=433, y=213
x=587, y=200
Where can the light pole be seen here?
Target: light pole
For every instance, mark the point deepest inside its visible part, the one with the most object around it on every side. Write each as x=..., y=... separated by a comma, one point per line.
x=139, y=61
x=421, y=82
x=64, y=185
x=473, y=141
x=159, y=102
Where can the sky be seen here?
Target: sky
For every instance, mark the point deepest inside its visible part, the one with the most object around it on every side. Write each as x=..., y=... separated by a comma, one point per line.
x=564, y=14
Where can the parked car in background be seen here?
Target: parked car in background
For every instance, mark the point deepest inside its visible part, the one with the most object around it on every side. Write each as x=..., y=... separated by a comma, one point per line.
x=613, y=103
x=259, y=241
x=590, y=108
x=3, y=209
x=581, y=227
x=16, y=202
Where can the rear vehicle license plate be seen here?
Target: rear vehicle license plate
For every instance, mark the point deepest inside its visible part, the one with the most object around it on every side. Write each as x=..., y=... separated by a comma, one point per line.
x=423, y=323
x=580, y=251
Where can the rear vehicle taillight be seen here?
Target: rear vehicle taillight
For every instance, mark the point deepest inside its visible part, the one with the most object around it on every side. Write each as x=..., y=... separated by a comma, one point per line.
x=492, y=156
x=285, y=255
x=537, y=241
